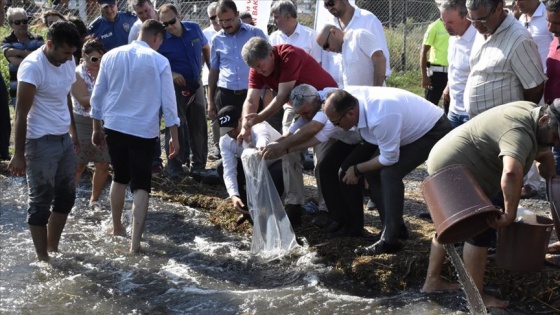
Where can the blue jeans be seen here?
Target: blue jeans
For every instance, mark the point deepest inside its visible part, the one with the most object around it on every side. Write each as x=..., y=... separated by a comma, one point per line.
x=457, y=120
x=556, y=152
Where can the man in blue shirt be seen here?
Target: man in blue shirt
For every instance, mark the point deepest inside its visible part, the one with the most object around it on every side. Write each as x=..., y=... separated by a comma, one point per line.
x=229, y=75
x=111, y=27
x=185, y=46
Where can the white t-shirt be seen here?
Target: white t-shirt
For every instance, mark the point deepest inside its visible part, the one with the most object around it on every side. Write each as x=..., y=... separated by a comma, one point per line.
x=391, y=118
x=303, y=37
x=357, y=66
x=459, y=68
x=49, y=114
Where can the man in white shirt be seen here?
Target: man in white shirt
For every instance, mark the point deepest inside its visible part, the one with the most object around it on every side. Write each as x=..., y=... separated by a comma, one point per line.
x=363, y=62
x=134, y=74
x=230, y=167
x=462, y=34
x=346, y=17
x=144, y=10
x=45, y=135
x=400, y=128
x=291, y=32
x=533, y=18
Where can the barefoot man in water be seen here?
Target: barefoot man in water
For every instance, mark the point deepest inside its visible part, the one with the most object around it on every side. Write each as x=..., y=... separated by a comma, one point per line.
x=133, y=85
x=45, y=138
x=498, y=147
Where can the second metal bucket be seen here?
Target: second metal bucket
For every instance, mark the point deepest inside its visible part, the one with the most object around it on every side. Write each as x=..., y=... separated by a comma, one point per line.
x=457, y=204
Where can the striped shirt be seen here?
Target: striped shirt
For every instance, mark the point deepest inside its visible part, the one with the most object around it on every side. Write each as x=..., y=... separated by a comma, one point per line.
x=502, y=66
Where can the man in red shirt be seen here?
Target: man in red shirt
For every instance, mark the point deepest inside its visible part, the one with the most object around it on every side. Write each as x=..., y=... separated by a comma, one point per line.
x=280, y=68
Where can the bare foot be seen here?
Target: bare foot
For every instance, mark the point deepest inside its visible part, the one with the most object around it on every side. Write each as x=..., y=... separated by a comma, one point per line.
x=119, y=230
x=554, y=248
x=437, y=285
x=490, y=301
x=44, y=258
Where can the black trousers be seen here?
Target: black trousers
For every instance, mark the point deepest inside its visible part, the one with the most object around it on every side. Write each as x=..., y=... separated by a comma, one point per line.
x=439, y=81
x=5, y=123
x=343, y=201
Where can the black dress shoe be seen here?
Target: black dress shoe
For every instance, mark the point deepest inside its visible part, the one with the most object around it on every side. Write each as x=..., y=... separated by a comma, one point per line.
x=381, y=247
x=403, y=233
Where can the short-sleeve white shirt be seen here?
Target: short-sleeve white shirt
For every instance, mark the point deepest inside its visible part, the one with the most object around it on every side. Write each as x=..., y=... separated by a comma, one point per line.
x=303, y=37
x=538, y=27
x=459, y=68
x=49, y=113
x=208, y=32
x=391, y=118
x=357, y=66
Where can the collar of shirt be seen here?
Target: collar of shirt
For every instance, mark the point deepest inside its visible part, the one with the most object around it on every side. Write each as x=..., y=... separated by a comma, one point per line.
x=243, y=27
x=141, y=43
x=362, y=119
x=185, y=29
x=508, y=22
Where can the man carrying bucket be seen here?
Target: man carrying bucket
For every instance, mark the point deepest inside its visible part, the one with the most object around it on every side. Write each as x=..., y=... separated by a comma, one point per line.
x=498, y=147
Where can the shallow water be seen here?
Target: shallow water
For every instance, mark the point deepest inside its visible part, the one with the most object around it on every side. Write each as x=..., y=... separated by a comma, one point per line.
x=187, y=267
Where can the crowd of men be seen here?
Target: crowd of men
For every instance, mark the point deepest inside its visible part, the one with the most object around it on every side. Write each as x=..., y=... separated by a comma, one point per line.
x=284, y=93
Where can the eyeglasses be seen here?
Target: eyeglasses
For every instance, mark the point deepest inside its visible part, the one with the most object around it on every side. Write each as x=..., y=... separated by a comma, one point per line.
x=484, y=20
x=337, y=122
x=329, y=4
x=300, y=97
x=326, y=45
x=93, y=58
x=173, y=21
x=22, y=21
x=213, y=17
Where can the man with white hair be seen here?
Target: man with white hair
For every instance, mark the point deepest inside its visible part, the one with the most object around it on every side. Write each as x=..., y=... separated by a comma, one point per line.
x=144, y=10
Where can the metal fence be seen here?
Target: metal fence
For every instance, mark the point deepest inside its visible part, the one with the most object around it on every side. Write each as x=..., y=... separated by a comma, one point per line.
x=405, y=21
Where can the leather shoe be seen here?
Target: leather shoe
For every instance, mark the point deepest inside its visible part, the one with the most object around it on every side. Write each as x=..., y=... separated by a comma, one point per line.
x=381, y=247
x=333, y=227
x=528, y=192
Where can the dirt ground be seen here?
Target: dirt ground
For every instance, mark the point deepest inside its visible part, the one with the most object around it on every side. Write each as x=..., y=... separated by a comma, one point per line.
x=388, y=274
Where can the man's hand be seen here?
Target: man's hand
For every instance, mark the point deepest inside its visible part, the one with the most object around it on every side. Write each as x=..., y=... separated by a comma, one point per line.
x=17, y=165
x=350, y=178
x=245, y=134
x=273, y=151
x=173, y=148
x=426, y=82
x=76, y=144
x=446, y=97
x=238, y=204
x=504, y=219
x=98, y=139
x=178, y=79
x=212, y=112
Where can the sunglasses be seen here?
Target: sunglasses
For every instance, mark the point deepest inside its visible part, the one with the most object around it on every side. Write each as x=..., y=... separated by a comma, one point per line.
x=326, y=45
x=22, y=21
x=213, y=17
x=484, y=20
x=329, y=4
x=93, y=58
x=173, y=21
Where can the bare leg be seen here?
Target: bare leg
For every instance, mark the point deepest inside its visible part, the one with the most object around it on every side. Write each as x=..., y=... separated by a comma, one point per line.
x=98, y=181
x=475, y=263
x=139, y=210
x=57, y=221
x=39, y=236
x=80, y=168
x=434, y=282
x=117, y=203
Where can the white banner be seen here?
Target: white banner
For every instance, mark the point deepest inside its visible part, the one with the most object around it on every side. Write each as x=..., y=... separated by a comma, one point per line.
x=259, y=9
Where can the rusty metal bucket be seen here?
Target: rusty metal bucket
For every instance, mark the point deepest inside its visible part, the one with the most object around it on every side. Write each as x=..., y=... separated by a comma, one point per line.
x=522, y=246
x=457, y=204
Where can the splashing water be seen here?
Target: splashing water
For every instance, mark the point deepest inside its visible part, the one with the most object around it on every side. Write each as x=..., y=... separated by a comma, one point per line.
x=474, y=300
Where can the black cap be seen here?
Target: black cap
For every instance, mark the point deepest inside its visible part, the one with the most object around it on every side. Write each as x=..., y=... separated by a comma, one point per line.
x=228, y=119
x=104, y=3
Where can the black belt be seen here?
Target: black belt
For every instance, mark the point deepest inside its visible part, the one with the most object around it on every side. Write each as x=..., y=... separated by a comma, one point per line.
x=235, y=92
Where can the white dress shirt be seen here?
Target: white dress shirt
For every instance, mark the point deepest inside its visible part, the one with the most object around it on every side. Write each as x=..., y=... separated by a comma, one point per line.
x=303, y=37
x=538, y=27
x=459, y=68
x=208, y=32
x=133, y=84
x=261, y=135
x=391, y=118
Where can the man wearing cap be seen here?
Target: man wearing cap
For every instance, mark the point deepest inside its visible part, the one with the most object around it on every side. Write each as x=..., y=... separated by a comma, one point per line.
x=131, y=131
x=231, y=168
x=186, y=48
x=111, y=27
x=498, y=147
